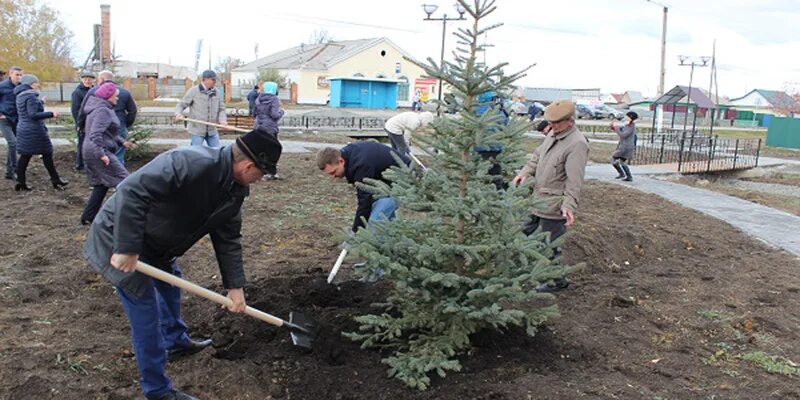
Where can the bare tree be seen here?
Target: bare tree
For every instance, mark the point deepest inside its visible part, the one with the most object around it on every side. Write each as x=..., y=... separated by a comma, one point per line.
x=319, y=36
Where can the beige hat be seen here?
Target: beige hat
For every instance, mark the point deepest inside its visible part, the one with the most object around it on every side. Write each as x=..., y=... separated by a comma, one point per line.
x=559, y=110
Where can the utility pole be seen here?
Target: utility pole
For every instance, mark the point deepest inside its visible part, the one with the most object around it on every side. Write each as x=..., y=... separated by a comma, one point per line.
x=662, y=72
x=693, y=63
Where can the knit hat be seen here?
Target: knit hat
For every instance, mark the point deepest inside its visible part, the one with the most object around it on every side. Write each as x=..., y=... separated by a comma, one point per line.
x=106, y=90
x=559, y=110
x=209, y=74
x=29, y=79
x=270, y=88
x=261, y=147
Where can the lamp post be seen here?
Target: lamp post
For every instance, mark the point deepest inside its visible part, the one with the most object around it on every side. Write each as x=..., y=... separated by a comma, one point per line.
x=429, y=10
x=692, y=62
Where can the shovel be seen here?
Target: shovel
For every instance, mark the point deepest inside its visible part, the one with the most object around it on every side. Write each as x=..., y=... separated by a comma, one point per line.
x=336, y=266
x=229, y=127
x=301, y=328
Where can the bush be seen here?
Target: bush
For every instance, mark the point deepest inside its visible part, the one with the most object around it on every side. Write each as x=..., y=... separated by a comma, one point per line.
x=140, y=135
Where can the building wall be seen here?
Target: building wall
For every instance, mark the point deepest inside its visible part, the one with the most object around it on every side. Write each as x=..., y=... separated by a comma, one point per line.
x=369, y=63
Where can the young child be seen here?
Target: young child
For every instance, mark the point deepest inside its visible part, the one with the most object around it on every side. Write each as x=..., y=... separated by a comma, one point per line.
x=268, y=113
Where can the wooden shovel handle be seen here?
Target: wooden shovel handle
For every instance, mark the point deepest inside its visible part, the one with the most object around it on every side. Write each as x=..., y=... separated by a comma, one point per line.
x=230, y=127
x=203, y=292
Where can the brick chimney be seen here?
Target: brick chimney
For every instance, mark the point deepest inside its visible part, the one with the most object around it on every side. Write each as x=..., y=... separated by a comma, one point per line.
x=105, y=22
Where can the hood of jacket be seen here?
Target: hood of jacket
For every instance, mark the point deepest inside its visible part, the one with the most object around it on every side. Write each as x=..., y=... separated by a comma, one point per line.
x=94, y=103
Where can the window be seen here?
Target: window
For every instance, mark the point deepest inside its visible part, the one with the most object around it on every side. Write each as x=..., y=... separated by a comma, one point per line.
x=383, y=53
x=402, y=89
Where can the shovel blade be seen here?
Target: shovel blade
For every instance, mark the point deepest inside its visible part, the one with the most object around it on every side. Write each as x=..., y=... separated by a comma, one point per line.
x=302, y=329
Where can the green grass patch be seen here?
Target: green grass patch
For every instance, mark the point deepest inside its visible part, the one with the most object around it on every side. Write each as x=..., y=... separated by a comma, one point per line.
x=772, y=364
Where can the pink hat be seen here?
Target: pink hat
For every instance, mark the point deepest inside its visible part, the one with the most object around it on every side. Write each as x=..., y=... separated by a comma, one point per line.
x=106, y=90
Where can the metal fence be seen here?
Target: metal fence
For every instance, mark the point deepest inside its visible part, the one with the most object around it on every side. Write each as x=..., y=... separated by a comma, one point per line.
x=316, y=122
x=697, y=153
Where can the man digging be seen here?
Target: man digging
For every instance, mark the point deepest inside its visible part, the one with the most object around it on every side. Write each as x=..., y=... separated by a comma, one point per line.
x=356, y=162
x=157, y=214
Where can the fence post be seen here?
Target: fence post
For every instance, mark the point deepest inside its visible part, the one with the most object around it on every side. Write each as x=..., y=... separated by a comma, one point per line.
x=758, y=151
x=360, y=120
x=61, y=91
x=735, y=153
x=680, y=150
x=661, y=153
x=711, y=144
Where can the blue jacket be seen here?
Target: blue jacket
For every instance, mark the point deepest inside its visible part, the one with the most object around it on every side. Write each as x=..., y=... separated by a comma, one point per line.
x=125, y=108
x=8, y=100
x=251, y=101
x=268, y=112
x=367, y=160
x=32, y=135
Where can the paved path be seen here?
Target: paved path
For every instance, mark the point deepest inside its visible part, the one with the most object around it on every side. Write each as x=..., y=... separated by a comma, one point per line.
x=777, y=228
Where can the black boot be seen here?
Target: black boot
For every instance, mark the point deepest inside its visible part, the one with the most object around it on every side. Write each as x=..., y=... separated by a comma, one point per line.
x=620, y=174
x=21, y=186
x=194, y=346
x=58, y=184
x=628, y=175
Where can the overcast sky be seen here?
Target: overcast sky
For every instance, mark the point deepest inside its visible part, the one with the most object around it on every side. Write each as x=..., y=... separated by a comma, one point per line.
x=610, y=44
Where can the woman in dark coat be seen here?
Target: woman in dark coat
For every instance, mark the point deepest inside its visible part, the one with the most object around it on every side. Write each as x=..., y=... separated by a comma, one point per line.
x=103, y=168
x=32, y=137
x=626, y=146
x=268, y=113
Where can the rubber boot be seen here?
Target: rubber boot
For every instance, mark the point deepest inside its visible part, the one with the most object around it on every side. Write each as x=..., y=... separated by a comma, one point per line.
x=628, y=175
x=620, y=174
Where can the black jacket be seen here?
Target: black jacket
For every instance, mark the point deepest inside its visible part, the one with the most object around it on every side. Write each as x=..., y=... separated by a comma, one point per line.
x=367, y=160
x=160, y=211
x=77, y=101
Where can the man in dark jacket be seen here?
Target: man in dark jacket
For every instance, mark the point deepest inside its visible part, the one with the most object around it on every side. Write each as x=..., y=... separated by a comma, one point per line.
x=8, y=118
x=358, y=161
x=87, y=81
x=156, y=215
x=101, y=77
x=126, y=112
x=251, y=100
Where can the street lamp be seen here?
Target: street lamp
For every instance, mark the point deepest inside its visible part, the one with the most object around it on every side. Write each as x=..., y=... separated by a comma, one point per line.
x=692, y=62
x=429, y=10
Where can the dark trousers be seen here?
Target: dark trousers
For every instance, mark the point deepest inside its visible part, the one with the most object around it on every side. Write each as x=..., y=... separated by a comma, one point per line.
x=22, y=167
x=556, y=228
x=79, y=152
x=94, y=203
x=495, y=170
x=398, y=142
x=156, y=327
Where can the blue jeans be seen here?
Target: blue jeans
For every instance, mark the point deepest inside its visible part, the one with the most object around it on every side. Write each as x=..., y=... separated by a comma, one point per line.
x=212, y=139
x=123, y=134
x=156, y=327
x=11, y=143
x=383, y=208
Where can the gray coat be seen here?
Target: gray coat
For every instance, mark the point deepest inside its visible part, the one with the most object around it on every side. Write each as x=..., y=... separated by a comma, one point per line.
x=102, y=139
x=164, y=208
x=627, y=141
x=204, y=105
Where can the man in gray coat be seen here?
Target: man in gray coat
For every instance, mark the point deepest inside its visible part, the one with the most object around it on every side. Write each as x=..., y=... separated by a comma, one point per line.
x=157, y=214
x=205, y=104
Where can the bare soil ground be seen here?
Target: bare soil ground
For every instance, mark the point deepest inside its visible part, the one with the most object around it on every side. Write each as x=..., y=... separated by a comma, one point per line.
x=671, y=305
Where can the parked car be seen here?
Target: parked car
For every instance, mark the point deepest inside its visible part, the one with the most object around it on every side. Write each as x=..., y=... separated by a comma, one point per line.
x=609, y=112
x=584, y=111
x=518, y=108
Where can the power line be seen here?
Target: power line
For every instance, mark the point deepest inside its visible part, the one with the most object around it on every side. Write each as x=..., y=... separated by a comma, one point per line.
x=299, y=18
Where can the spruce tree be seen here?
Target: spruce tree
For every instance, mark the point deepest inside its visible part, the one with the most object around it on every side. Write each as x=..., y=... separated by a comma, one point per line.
x=455, y=258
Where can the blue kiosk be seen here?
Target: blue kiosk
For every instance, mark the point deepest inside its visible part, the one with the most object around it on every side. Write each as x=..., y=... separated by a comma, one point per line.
x=358, y=92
